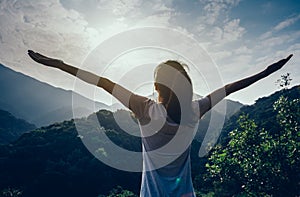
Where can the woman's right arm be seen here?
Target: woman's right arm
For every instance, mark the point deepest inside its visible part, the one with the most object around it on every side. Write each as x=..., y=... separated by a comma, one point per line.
x=132, y=101
x=86, y=76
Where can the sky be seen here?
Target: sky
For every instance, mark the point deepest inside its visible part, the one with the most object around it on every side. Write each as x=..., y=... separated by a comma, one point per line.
x=221, y=41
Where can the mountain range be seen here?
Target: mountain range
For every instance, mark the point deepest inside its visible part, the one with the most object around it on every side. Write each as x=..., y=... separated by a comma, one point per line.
x=42, y=104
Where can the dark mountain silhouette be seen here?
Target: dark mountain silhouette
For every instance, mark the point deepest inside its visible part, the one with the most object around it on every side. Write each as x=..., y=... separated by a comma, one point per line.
x=52, y=160
x=40, y=103
x=11, y=128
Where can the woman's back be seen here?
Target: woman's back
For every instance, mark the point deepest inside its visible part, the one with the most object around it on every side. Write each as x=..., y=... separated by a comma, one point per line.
x=166, y=151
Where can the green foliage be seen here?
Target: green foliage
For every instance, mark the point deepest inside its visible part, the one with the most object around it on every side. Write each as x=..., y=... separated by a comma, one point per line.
x=52, y=161
x=262, y=112
x=257, y=162
x=284, y=81
x=119, y=192
x=200, y=194
x=11, y=192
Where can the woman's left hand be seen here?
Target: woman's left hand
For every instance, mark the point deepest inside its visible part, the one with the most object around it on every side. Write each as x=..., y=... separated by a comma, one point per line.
x=278, y=65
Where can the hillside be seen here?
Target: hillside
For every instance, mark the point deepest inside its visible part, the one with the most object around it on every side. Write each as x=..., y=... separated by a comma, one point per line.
x=40, y=103
x=52, y=160
x=262, y=111
x=11, y=128
x=259, y=151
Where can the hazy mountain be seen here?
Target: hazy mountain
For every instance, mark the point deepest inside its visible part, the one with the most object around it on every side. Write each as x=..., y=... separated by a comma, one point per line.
x=40, y=103
x=11, y=128
x=230, y=106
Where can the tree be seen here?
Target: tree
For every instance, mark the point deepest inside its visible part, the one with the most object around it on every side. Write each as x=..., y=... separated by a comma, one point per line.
x=257, y=162
x=284, y=81
x=11, y=192
x=119, y=192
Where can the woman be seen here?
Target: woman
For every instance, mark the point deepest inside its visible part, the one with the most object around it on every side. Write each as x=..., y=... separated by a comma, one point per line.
x=167, y=125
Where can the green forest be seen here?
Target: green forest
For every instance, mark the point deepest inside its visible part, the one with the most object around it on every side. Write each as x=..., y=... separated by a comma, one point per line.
x=257, y=154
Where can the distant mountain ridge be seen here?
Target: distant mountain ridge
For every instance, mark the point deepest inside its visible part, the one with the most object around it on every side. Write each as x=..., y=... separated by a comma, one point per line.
x=40, y=103
x=231, y=106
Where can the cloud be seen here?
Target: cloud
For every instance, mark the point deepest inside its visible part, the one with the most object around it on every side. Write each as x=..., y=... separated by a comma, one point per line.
x=215, y=25
x=45, y=26
x=104, y=13
x=214, y=9
x=267, y=7
x=269, y=44
x=71, y=29
x=286, y=23
x=220, y=36
x=280, y=26
x=233, y=31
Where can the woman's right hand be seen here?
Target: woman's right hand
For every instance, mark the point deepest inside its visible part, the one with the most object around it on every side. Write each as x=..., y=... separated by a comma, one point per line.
x=47, y=61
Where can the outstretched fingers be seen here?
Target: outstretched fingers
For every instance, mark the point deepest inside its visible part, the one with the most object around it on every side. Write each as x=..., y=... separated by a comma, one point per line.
x=278, y=65
x=44, y=59
x=289, y=57
x=33, y=55
x=36, y=55
x=284, y=61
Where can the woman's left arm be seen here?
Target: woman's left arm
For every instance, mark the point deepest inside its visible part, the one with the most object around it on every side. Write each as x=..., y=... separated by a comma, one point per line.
x=219, y=94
